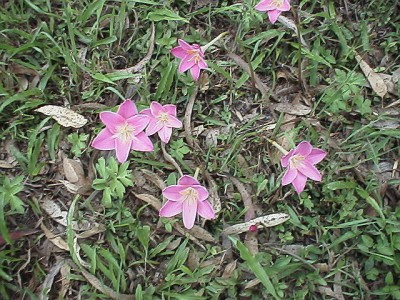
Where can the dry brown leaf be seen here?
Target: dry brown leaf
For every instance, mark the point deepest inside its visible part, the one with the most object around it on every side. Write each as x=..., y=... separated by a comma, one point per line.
x=65, y=280
x=376, y=82
x=264, y=221
x=150, y=199
x=252, y=283
x=49, y=279
x=154, y=178
x=284, y=141
x=5, y=165
x=293, y=108
x=56, y=240
x=213, y=190
x=96, y=228
x=73, y=170
x=229, y=269
x=201, y=234
x=64, y=116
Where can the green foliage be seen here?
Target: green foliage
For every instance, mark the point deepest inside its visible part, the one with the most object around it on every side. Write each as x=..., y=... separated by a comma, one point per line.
x=345, y=93
x=113, y=179
x=78, y=142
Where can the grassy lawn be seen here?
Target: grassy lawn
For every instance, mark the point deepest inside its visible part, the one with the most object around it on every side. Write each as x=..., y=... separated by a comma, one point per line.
x=79, y=221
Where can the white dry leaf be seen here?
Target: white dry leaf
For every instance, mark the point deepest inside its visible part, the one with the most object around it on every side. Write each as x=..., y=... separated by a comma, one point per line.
x=376, y=81
x=150, y=199
x=201, y=234
x=60, y=216
x=64, y=116
x=73, y=170
x=5, y=165
x=264, y=221
x=293, y=109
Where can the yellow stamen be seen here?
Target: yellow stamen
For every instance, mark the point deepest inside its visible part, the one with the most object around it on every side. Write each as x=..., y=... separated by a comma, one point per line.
x=195, y=53
x=163, y=117
x=190, y=194
x=295, y=161
x=125, y=132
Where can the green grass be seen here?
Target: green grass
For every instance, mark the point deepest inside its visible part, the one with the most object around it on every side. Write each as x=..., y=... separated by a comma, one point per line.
x=343, y=236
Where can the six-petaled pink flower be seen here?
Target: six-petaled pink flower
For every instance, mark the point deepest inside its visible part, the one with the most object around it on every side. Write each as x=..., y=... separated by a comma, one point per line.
x=162, y=120
x=273, y=7
x=192, y=57
x=300, y=165
x=188, y=197
x=124, y=131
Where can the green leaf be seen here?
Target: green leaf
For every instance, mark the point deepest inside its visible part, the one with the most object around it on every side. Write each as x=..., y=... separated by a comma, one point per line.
x=371, y=201
x=165, y=15
x=255, y=267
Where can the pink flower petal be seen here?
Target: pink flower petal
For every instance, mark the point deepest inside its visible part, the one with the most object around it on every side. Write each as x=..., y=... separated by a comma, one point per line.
x=189, y=211
x=146, y=112
x=202, y=64
x=170, y=209
x=307, y=169
x=273, y=15
x=179, y=52
x=122, y=150
x=139, y=122
x=173, y=122
x=285, y=5
x=316, y=156
x=104, y=140
x=111, y=120
x=156, y=108
x=303, y=149
x=188, y=180
x=195, y=71
x=289, y=176
x=173, y=192
x=299, y=183
x=141, y=142
x=154, y=126
x=186, y=46
x=186, y=64
x=165, y=134
x=171, y=109
x=265, y=5
x=285, y=159
x=205, y=210
x=127, y=109
x=202, y=192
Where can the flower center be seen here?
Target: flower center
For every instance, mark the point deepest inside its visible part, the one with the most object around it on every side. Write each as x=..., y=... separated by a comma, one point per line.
x=163, y=118
x=190, y=194
x=277, y=3
x=295, y=161
x=125, y=132
x=195, y=53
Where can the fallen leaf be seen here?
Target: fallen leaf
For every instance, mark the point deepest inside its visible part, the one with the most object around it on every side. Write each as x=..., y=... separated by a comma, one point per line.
x=5, y=165
x=229, y=269
x=150, y=199
x=376, y=82
x=49, y=279
x=15, y=235
x=64, y=116
x=154, y=178
x=293, y=108
x=201, y=234
x=56, y=240
x=77, y=182
x=264, y=221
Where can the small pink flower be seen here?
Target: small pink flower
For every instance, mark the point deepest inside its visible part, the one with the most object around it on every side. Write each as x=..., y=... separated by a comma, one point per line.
x=300, y=165
x=188, y=197
x=162, y=120
x=273, y=7
x=124, y=131
x=192, y=58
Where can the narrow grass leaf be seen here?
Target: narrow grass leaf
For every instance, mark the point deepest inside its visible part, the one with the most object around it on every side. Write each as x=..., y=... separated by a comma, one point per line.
x=255, y=267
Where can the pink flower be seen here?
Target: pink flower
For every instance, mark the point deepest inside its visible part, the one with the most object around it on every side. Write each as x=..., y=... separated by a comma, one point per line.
x=300, y=165
x=192, y=58
x=273, y=7
x=188, y=197
x=162, y=120
x=124, y=131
